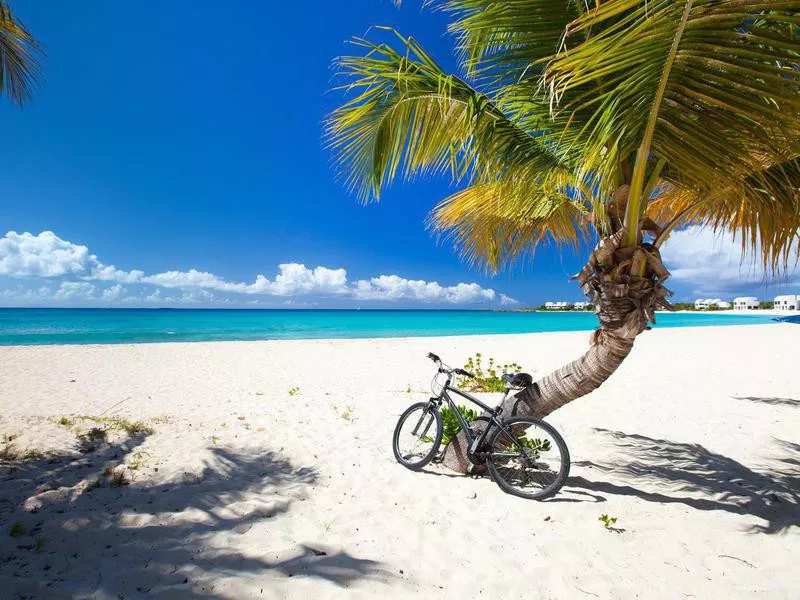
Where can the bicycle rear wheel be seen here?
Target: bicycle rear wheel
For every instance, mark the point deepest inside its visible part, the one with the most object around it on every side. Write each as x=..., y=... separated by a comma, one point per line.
x=417, y=435
x=533, y=464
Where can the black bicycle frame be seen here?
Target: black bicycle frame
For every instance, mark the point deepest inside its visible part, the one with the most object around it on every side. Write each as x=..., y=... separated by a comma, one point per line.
x=474, y=442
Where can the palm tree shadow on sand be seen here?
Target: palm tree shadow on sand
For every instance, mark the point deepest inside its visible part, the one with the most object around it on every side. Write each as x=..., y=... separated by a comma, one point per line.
x=771, y=400
x=692, y=475
x=166, y=539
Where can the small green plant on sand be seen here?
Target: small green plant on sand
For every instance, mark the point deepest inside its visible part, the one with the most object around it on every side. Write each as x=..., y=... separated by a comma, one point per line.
x=214, y=439
x=408, y=389
x=294, y=391
x=17, y=530
x=608, y=522
x=346, y=413
x=132, y=428
x=8, y=453
x=139, y=459
x=487, y=380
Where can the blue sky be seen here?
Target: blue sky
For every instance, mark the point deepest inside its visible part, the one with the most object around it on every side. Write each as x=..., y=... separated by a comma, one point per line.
x=183, y=147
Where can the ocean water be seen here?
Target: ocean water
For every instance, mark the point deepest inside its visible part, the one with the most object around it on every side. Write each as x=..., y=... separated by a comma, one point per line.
x=26, y=326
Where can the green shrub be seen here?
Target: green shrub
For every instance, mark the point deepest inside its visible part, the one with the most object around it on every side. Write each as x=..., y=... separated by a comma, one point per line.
x=451, y=427
x=132, y=428
x=488, y=380
x=17, y=529
x=450, y=424
x=536, y=445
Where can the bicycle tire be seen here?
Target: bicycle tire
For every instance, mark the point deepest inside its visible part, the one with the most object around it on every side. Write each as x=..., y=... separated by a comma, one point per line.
x=402, y=455
x=498, y=451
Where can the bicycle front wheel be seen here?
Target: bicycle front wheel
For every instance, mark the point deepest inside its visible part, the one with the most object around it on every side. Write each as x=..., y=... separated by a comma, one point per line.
x=528, y=458
x=417, y=435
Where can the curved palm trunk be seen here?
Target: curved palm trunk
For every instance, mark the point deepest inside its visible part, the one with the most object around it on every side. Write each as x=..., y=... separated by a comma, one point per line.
x=625, y=304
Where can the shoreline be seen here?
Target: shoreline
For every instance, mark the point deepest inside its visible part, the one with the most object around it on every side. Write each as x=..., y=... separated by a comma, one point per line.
x=406, y=338
x=122, y=328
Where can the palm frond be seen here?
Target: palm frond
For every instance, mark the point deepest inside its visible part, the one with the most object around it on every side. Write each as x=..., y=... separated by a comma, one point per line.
x=729, y=99
x=411, y=117
x=505, y=40
x=19, y=57
x=495, y=225
x=762, y=210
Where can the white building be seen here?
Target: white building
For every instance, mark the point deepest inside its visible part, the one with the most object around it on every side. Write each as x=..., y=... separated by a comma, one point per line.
x=745, y=303
x=700, y=304
x=704, y=304
x=790, y=302
x=557, y=305
x=582, y=305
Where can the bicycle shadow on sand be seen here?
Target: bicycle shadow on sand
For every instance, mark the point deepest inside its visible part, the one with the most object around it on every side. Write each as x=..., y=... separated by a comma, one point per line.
x=568, y=493
x=665, y=471
x=78, y=534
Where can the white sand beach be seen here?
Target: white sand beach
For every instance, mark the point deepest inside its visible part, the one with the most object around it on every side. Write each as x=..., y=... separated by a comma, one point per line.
x=245, y=491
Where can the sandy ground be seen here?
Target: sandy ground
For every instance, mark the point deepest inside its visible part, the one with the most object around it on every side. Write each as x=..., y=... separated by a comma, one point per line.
x=243, y=490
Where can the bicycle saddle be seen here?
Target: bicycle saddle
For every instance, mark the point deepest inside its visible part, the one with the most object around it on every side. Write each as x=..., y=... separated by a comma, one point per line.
x=519, y=380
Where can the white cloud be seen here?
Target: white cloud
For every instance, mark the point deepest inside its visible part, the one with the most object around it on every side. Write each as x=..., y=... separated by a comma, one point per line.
x=43, y=255
x=24, y=255
x=292, y=278
x=28, y=295
x=185, y=279
x=69, y=290
x=47, y=255
x=111, y=273
x=714, y=263
x=115, y=292
x=507, y=301
x=393, y=287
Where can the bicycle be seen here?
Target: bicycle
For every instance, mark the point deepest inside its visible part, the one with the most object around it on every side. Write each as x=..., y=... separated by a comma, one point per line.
x=529, y=467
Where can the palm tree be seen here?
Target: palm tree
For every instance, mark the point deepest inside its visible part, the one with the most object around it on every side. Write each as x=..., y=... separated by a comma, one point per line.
x=19, y=58
x=574, y=120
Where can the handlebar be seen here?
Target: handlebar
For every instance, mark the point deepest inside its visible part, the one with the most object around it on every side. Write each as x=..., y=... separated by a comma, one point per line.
x=444, y=369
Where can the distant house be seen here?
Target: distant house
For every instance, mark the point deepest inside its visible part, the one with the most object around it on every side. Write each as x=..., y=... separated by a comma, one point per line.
x=700, y=304
x=704, y=304
x=745, y=303
x=557, y=305
x=582, y=305
x=788, y=302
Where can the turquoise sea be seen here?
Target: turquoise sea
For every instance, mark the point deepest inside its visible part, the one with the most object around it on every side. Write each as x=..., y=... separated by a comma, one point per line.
x=26, y=326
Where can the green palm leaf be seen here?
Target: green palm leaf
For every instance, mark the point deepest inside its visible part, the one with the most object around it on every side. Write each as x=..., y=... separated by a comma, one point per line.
x=19, y=57
x=708, y=85
x=495, y=225
x=409, y=117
